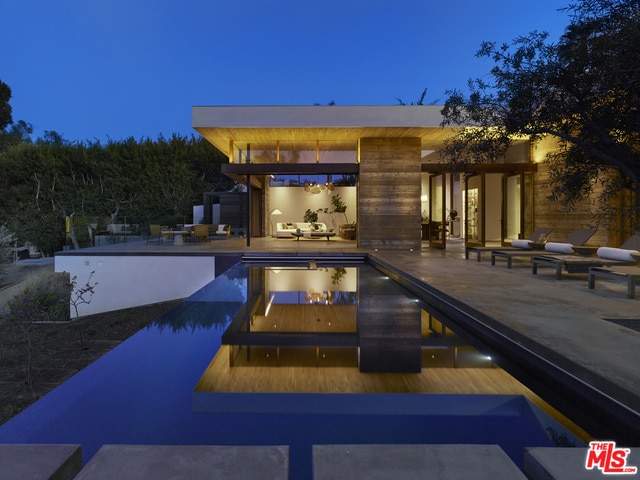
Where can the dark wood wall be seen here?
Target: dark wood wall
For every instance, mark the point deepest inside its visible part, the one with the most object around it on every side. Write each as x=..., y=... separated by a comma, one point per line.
x=389, y=193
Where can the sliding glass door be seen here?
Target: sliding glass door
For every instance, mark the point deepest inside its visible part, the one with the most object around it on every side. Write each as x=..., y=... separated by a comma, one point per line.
x=437, y=211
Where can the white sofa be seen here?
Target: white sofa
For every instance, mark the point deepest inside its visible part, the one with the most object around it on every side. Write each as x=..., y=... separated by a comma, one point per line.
x=285, y=229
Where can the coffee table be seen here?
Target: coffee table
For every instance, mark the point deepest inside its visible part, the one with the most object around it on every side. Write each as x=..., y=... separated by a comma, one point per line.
x=177, y=237
x=326, y=235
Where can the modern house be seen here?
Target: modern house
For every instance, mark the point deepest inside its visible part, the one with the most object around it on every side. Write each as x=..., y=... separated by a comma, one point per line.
x=384, y=163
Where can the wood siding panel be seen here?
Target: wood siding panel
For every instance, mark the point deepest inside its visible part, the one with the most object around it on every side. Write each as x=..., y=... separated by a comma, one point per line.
x=564, y=220
x=389, y=204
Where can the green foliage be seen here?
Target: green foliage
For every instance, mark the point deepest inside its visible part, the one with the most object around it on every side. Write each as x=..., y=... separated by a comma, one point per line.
x=7, y=240
x=5, y=108
x=46, y=182
x=310, y=217
x=338, y=206
x=584, y=91
x=45, y=299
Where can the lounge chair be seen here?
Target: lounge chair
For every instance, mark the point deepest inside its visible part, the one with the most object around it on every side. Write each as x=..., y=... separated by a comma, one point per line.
x=517, y=245
x=631, y=275
x=575, y=238
x=576, y=263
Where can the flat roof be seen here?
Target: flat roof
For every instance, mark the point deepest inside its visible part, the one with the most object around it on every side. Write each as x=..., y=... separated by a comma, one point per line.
x=258, y=124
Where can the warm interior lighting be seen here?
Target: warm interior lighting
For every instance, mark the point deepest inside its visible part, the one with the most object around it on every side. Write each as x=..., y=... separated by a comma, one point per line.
x=275, y=211
x=266, y=312
x=316, y=297
x=313, y=188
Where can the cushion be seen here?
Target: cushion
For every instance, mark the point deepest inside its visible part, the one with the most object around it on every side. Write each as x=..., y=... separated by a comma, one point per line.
x=521, y=243
x=221, y=229
x=621, y=254
x=556, y=247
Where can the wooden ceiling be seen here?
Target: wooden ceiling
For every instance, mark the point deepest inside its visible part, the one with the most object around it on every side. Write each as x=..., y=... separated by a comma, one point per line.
x=341, y=138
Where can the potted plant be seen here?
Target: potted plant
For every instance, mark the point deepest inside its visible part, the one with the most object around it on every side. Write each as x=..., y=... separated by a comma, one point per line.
x=311, y=218
x=338, y=206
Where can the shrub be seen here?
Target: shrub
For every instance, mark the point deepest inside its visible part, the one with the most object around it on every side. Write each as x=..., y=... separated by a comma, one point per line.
x=7, y=240
x=44, y=299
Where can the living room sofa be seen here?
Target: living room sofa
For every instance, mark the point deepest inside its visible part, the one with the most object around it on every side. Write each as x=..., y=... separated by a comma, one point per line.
x=285, y=229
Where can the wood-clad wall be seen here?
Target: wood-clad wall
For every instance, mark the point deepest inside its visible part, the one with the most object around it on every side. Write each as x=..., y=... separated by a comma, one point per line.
x=563, y=219
x=389, y=198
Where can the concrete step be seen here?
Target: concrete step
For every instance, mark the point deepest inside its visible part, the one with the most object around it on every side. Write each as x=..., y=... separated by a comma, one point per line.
x=409, y=462
x=44, y=462
x=567, y=464
x=194, y=462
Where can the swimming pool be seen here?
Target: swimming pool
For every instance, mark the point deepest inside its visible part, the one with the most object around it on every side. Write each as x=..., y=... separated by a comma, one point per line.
x=144, y=390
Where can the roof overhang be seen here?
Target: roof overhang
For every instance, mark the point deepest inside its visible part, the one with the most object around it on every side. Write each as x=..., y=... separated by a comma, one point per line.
x=222, y=125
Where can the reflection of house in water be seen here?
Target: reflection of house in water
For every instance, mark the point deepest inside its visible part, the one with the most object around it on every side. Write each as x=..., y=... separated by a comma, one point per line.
x=346, y=316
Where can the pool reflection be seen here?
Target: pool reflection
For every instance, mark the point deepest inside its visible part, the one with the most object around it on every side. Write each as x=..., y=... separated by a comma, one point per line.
x=339, y=316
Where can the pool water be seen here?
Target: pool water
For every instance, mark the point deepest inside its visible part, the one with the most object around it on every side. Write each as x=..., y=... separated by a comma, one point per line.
x=142, y=392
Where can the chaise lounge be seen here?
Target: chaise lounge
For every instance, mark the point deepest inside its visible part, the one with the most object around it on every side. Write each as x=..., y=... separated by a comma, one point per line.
x=582, y=263
x=516, y=244
x=575, y=238
x=630, y=275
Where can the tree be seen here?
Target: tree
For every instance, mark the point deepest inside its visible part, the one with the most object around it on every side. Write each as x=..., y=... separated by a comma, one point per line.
x=583, y=91
x=19, y=133
x=5, y=108
x=52, y=181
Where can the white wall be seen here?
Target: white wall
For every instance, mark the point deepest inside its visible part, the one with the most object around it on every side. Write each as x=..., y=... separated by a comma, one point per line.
x=294, y=201
x=131, y=281
x=198, y=213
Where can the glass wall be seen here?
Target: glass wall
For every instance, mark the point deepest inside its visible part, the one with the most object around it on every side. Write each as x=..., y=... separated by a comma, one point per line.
x=295, y=180
x=513, y=208
x=295, y=152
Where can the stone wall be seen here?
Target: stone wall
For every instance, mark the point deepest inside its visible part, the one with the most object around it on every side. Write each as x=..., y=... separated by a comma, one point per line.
x=389, y=200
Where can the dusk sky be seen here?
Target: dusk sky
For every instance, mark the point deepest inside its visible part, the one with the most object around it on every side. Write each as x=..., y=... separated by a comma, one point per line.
x=100, y=70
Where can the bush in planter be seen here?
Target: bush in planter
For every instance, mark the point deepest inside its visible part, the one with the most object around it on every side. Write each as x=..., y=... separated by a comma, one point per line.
x=311, y=218
x=338, y=207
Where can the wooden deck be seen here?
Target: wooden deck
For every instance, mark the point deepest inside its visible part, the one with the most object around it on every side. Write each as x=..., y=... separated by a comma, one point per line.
x=263, y=374
x=300, y=374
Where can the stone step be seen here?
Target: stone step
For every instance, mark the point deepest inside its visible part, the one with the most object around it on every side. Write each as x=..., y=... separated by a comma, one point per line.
x=567, y=464
x=408, y=462
x=194, y=462
x=45, y=462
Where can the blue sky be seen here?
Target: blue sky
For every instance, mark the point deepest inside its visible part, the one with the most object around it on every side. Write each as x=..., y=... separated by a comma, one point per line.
x=112, y=69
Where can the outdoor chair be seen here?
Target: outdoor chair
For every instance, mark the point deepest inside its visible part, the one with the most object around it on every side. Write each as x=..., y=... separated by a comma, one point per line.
x=583, y=260
x=628, y=274
x=517, y=245
x=158, y=233
x=575, y=238
x=200, y=233
x=223, y=230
